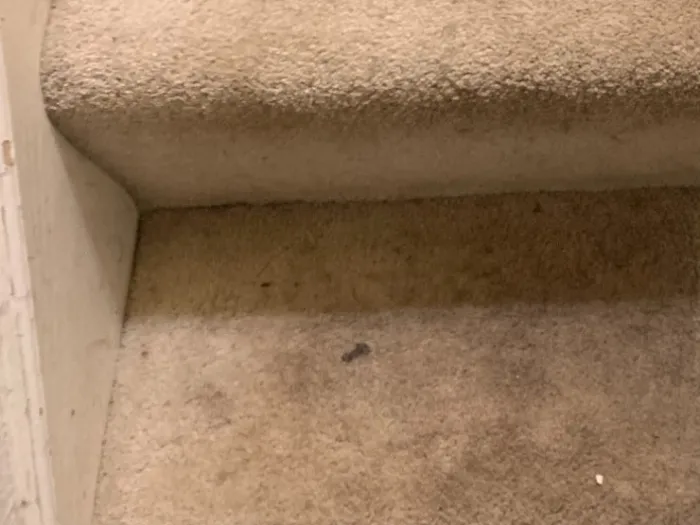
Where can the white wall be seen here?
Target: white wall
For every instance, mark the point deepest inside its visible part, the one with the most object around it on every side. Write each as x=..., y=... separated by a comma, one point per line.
x=69, y=234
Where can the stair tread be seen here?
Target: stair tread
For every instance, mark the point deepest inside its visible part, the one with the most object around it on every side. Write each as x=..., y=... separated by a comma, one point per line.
x=240, y=55
x=196, y=77
x=520, y=346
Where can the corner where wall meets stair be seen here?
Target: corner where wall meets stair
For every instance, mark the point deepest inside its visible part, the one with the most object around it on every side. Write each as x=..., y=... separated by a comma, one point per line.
x=217, y=101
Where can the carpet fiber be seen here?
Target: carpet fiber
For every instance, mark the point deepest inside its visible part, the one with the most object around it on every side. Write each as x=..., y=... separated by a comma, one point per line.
x=519, y=346
x=193, y=102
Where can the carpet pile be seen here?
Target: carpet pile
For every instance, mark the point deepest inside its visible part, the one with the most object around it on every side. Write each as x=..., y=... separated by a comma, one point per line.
x=517, y=348
x=202, y=102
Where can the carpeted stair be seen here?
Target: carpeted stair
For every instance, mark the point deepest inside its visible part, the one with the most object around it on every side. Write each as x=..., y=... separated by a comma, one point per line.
x=519, y=347
x=534, y=358
x=196, y=102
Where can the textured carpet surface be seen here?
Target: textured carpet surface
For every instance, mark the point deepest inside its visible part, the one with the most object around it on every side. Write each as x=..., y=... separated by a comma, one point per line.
x=214, y=101
x=520, y=346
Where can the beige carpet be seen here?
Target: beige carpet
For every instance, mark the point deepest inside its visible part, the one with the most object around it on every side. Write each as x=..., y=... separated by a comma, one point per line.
x=193, y=102
x=520, y=346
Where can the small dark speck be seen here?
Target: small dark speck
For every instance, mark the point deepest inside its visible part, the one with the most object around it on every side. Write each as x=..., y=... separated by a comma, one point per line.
x=222, y=476
x=266, y=284
x=359, y=350
x=144, y=354
x=296, y=284
x=538, y=208
x=41, y=411
x=558, y=508
x=72, y=412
